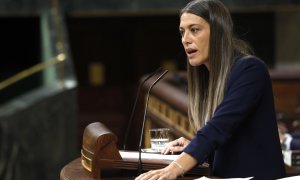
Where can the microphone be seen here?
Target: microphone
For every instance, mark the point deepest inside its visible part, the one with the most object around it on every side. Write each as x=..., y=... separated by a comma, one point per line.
x=135, y=103
x=140, y=165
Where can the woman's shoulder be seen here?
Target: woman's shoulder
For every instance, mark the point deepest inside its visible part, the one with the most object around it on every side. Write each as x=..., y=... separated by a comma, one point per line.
x=249, y=62
x=249, y=66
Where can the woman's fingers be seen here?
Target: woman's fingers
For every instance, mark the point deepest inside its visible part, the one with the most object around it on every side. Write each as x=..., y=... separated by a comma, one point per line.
x=174, y=147
x=144, y=176
x=177, y=149
x=160, y=174
x=150, y=175
x=183, y=142
x=168, y=147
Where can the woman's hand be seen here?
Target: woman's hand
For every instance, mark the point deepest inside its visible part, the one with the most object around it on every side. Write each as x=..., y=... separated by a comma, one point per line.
x=175, y=146
x=176, y=168
x=169, y=172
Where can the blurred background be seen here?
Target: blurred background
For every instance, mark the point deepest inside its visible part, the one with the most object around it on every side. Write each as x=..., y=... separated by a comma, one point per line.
x=67, y=63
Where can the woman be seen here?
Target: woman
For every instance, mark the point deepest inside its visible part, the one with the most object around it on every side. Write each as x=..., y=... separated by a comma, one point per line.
x=230, y=102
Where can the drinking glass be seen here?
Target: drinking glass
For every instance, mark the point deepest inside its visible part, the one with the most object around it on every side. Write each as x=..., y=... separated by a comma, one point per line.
x=159, y=137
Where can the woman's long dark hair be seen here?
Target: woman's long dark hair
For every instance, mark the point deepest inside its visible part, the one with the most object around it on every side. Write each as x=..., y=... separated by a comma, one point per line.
x=206, y=87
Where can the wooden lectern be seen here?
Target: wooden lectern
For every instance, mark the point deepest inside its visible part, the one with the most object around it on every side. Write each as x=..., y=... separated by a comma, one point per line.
x=99, y=153
x=98, y=144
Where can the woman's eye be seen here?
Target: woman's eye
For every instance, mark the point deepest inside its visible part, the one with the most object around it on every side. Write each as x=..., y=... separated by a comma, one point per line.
x=181, y=33
x=194, y=30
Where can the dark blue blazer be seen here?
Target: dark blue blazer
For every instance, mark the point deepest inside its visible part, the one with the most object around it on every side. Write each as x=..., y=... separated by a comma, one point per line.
x=242, y=134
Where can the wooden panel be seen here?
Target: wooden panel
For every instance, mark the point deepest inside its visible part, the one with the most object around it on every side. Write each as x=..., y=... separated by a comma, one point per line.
x=286, y=88
x=286, y=95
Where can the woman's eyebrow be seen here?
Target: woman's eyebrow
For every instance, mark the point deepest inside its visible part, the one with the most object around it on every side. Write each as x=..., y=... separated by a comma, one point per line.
x=189, y=26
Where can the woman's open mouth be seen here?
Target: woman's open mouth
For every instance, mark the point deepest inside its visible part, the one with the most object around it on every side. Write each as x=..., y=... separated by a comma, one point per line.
x=190, y=52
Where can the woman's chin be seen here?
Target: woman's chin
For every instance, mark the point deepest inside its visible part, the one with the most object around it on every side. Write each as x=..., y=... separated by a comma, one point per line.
x=194, y=63
x=197, y=62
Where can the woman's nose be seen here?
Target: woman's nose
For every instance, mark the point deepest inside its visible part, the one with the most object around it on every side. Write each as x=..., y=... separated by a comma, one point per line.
x=185, y=38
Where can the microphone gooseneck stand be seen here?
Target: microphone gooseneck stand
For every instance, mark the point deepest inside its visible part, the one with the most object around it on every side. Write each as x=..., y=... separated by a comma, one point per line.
x=140, y=165
x=135, y=103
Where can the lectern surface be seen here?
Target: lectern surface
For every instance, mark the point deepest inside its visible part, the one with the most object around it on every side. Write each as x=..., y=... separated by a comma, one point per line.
x=74, y=171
